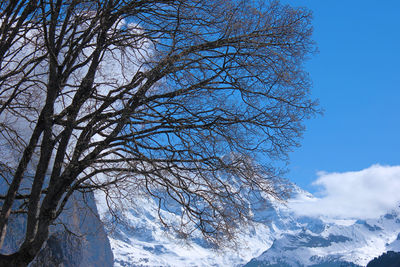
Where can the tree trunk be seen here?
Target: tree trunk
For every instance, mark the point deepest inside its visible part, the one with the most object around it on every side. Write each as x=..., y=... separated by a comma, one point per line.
x=19, y=259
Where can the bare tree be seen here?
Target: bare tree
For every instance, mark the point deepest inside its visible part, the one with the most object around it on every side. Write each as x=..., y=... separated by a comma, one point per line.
x=170, y=98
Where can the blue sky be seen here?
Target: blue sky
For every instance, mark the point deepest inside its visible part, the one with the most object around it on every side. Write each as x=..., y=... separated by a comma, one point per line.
x=356, y=76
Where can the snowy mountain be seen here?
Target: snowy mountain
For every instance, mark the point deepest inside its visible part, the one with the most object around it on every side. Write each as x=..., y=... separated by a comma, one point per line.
x=279, y=237
x=332, y=244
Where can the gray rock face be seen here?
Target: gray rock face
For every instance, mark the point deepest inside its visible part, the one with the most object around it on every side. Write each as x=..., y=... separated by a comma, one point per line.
x=77, y=239
x=62, y=249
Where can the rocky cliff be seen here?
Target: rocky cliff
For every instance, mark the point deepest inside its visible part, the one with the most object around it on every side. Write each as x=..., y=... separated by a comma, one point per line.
x=77, y=239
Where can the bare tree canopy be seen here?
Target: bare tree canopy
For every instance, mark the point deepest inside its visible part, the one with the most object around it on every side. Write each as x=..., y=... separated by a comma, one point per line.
x=170, y=98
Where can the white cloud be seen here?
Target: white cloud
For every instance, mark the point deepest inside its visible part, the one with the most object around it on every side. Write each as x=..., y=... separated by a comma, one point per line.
x=363, y=194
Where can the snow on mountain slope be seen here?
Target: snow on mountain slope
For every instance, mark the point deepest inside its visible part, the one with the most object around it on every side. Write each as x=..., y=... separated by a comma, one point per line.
x=357, y=243
x=279, y=237
x=139, y=239
x=329, y=242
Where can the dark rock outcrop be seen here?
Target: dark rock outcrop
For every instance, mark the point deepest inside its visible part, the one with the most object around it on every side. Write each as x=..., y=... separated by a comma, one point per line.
x=388, y=259
x=77, y=238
